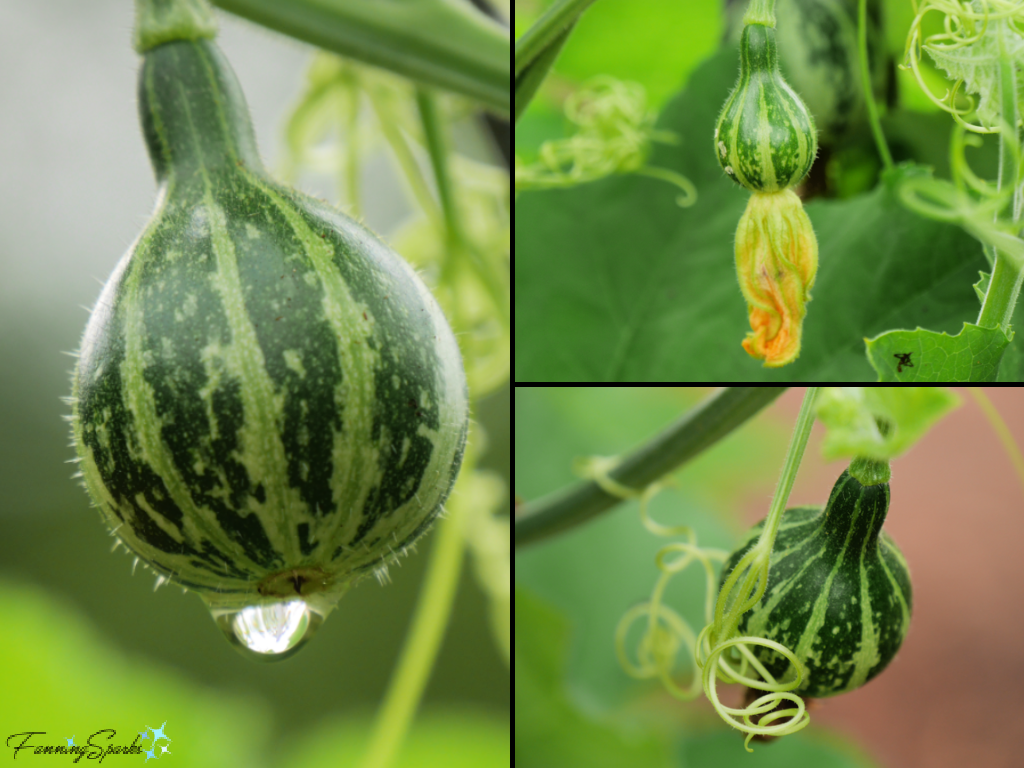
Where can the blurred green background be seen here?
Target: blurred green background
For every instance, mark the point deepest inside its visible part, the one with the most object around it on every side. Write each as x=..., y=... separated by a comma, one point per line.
x=85, y=644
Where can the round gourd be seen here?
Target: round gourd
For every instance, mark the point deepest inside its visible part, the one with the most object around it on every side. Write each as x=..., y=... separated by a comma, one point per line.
x=268, y=402
x=765, y=139
x=818, y=56
x=838, y=593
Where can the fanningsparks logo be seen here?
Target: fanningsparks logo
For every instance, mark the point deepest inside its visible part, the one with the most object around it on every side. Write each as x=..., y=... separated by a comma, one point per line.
x=151, y=742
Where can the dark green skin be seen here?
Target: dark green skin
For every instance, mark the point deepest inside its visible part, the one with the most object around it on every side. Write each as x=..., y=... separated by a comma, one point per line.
x=168, y=302
x=765, y=139
x=819, y=544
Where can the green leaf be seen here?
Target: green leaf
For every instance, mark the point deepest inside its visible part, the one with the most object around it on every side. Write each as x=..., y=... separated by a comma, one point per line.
x=851, y=415
x=614, y=282
x=973, y=354
x=977, y=63
x=724, y=748
x=550, y=731
x=605, y=41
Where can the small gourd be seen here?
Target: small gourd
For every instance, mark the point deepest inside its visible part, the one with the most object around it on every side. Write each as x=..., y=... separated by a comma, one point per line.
x=765, y=139
x=839, y=594
x=268, y=402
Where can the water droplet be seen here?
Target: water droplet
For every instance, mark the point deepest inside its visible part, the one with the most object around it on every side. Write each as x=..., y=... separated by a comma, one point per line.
x=269, y=632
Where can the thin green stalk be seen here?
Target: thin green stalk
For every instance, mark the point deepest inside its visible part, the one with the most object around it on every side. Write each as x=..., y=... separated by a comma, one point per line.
x=353, y=152
x=869, y=92
x=1005, y=284
x=405, y=157
x=433, y=611
x=760, y=12
x=705, y=424
x=1002, y=431
x=459, y=246
x=725, y=625
x=548, y=28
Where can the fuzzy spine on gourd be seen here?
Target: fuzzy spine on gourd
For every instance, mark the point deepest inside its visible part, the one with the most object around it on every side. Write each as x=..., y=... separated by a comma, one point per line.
x=765, y=140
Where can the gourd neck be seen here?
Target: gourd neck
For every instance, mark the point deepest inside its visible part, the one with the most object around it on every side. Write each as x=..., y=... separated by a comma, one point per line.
x=195, y=119
x=759, y=55
x=164, y=21
x=855, y=513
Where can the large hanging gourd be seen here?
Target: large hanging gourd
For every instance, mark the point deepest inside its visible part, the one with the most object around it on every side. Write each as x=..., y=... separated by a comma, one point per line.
x=268, y=403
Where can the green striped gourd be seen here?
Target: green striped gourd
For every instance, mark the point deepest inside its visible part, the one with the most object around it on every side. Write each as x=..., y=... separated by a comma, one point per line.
x=838, y=593
x=268, y=403
x=765, y=138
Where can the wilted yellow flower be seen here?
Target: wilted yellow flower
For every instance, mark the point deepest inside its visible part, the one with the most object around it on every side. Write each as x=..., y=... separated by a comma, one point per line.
x=776, y=261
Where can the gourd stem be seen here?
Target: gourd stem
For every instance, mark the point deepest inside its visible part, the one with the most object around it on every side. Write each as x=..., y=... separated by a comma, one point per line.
x=760, y=12
x=1005, y=284
x=459, y=247
x=705, y=424
x=429, y=622
x=869, y=92
x=164, y=21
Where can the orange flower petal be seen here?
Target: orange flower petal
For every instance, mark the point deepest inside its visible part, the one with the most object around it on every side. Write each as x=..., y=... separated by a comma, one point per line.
x=776, y=262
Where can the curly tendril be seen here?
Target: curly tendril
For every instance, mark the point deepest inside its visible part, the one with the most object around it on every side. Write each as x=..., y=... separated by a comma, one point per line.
x=968, y=49
x=614, y=133
x=667, y=633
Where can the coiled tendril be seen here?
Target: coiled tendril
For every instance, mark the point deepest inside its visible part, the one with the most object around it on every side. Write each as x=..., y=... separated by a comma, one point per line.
x=968, y=49
x=614, y=132
x=667, y=632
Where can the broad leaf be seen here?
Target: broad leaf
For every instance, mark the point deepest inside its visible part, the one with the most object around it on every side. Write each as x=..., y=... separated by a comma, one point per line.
x=614, y=282
x=973, y=354
x=851, y=415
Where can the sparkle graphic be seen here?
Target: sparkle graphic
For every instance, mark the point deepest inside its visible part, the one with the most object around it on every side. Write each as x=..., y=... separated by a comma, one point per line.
x=71, y=741
x=158, y=733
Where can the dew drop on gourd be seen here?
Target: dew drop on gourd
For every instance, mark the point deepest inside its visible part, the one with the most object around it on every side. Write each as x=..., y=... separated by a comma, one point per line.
x=269, y=632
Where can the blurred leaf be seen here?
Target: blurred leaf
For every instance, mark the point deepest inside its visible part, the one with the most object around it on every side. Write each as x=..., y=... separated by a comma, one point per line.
x=657, y=43
x=617, y=283
x=850, y=414
x=452, y=740
x=814, y=749
x=61, y=678
x=550, y=732
x=594, y=574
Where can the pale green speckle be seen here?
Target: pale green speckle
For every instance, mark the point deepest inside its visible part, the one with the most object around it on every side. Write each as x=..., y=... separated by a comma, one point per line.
x=294, y=362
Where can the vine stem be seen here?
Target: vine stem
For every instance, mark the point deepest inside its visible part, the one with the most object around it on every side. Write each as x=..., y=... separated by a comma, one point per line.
x=429, y=623
x=706, y=424
x=869, y=92
x=1005, y=283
